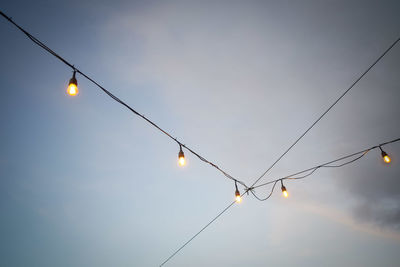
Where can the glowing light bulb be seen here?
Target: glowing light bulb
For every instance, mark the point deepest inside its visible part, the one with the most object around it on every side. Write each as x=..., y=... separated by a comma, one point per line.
x=181, y=161
x=181, y=158
x=73, y=86
x=238, y=198
x=386, y=157
x=72, y=89
x=284, y=191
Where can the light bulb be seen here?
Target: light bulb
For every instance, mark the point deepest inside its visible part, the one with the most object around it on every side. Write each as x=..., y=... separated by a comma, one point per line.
x=284, y=191
x=385, y=156
x=73, y=86
x=72, y=89
x=387, y=159
x=181, y=161
x=238, y=198
x=181, y=158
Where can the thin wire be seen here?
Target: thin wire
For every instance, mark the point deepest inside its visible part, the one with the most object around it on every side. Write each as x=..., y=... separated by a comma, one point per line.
x=351, y=161
x=193, y=237
x=314, y=169
x=309, y=128
x=323, y=114
x=301, y=136
x=288, y=177
x=327, y=164
x=267, y=197
x=42, y=45
x=311, y=171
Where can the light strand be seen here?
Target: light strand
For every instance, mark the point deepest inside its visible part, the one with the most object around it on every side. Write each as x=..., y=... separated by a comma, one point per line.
x=308, y=129
x=294, y=176
x=384, y=154
x=326, y=111
x=76, y=70
x=274, y=182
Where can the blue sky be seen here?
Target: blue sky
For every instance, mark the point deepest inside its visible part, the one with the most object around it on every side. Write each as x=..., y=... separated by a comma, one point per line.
x=83, y=182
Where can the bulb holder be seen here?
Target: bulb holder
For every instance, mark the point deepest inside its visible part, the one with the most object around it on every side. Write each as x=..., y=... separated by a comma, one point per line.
x=238, y=197
x=73, y=80
x=237, y=193
x=283, y=189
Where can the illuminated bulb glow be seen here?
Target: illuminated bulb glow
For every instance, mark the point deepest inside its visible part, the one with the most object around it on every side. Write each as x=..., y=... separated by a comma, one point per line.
x=72, y=89
x=181, y=161
x=385, y=157
x=181, y=158
x=285, y=192
x=238, y=198
x=73, y=86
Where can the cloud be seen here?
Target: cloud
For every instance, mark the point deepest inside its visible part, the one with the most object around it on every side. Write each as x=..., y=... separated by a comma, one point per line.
x=374, y=188
x=348, y=220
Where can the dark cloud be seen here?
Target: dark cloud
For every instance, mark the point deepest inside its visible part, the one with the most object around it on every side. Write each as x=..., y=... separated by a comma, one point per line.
x=380, y=213
x=375, y=188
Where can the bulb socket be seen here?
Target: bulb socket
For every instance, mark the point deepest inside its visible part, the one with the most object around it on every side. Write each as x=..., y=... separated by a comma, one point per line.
x=237, y=193
x=283, y=188
x=73, y=81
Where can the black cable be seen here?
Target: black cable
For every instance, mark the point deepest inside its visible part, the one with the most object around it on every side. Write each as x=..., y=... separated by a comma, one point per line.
x=327, y=164
x=309, y=128
x=267, y=197
x=323, y=114
x=288, y=177
x=35, y=40
x=42, y=45
x=193, y=237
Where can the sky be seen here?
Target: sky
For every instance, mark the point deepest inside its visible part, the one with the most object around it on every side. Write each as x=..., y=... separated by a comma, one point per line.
x=84, y=182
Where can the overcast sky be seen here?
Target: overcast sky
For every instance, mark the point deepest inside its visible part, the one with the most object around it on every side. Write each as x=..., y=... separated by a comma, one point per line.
x=84, y=182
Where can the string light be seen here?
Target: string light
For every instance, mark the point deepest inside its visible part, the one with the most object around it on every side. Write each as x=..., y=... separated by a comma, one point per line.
x=115, y=98
x=310, y=171
x=330, y=107
x=73, y=90
x=181, y=157
x=284, y=191
x=385, y=156
x=238, y=197
x=73, y=85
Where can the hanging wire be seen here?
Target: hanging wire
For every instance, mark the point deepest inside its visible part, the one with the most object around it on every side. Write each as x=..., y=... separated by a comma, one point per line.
x=251, y=188
x=267, y=197
x=309, y=128
x=326, y=111
x=201, y=230
x=288, y=177
x=42, y=45
x=311, y=170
